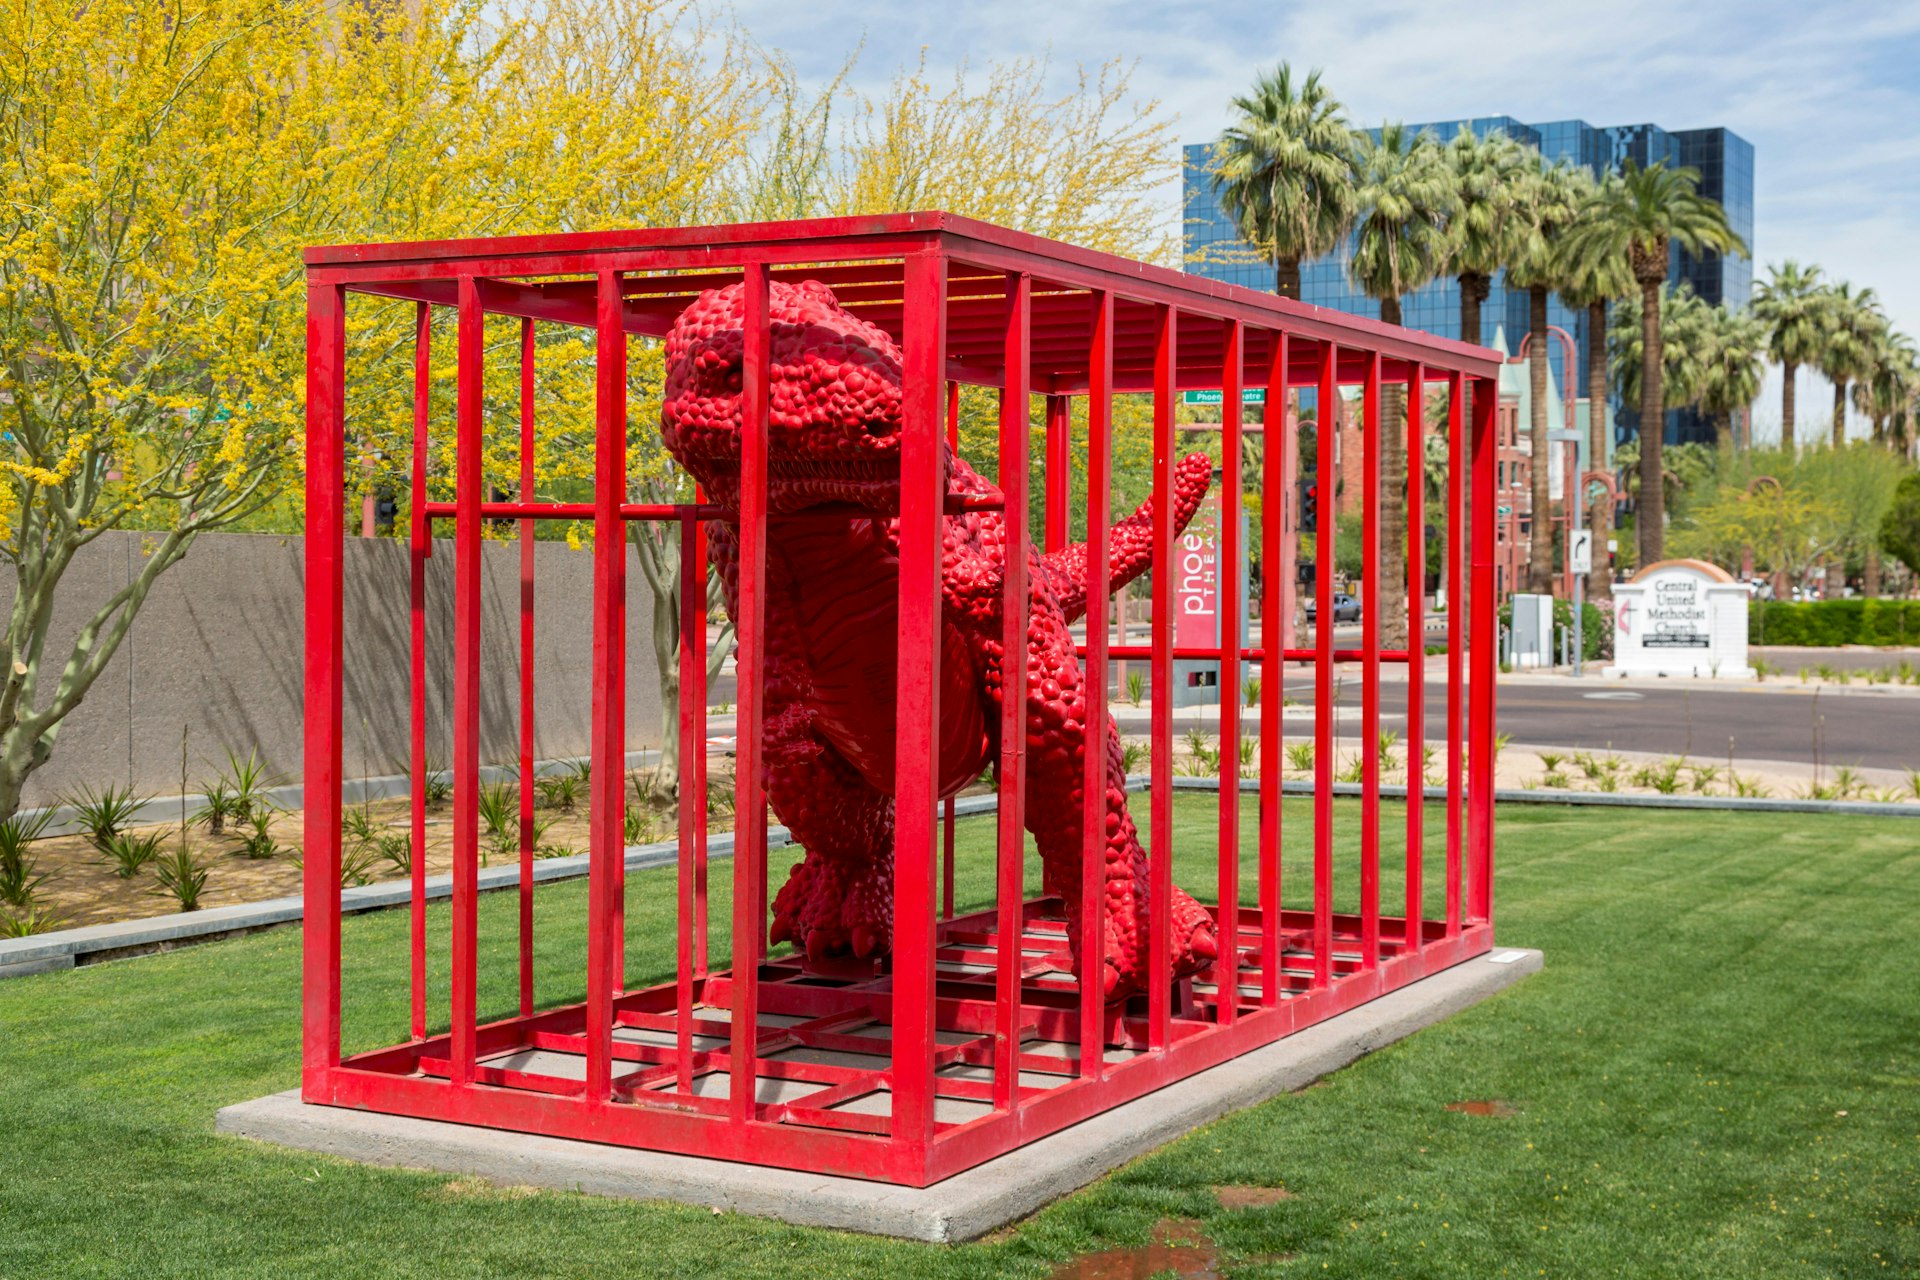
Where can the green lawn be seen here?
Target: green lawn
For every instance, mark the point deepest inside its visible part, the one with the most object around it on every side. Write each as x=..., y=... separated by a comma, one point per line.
x=1718, y=1075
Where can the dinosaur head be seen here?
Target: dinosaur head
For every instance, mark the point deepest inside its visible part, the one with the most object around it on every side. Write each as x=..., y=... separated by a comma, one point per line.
x=833, y=428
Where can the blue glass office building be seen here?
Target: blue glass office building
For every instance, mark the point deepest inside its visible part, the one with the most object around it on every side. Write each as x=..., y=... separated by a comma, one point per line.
x=1723, y=158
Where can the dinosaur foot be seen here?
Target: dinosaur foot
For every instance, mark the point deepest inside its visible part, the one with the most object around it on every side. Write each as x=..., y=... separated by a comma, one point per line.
x=1193, y=948
x=836, y=905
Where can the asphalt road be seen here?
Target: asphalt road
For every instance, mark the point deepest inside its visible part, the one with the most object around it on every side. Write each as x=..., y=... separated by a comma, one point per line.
x=1858, y=726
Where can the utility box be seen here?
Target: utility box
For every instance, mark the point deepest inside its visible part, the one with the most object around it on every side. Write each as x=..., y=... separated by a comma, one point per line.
x=1532, y=631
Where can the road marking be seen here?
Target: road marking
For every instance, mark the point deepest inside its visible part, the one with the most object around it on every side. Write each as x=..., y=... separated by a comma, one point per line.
x=1622, y=696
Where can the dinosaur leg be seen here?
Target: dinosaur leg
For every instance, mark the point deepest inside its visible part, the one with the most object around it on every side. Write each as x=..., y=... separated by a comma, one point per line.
x=1057, y=737
x=839, y=898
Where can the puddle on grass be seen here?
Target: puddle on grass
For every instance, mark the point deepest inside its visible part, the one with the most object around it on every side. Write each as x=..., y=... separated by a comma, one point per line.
x=1177, y=1248
x=1485, y=1107
x=1241, y=1196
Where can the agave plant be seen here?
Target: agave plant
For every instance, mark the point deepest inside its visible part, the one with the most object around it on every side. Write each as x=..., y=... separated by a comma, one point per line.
x=221, y=807
x=17, y=878
x=183, y=876
x=34, y=920
x=104, y=814
x=259, y=843
x=129, y=854
x=249, y=781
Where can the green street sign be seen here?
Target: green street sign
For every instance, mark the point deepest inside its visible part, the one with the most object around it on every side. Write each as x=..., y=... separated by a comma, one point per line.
x=1248, y=395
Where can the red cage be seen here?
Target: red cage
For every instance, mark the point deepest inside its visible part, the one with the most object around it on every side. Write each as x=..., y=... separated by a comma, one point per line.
x=960, y=1046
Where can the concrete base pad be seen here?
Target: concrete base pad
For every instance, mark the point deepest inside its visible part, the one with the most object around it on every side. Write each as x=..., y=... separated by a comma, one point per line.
x=967, y=1205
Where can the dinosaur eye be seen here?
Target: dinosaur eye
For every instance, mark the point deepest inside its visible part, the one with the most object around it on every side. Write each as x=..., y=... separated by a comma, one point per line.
x=877, y=428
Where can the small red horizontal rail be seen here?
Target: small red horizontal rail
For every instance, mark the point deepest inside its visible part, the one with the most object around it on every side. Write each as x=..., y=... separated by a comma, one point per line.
x=957, y=504
x=1205, y=653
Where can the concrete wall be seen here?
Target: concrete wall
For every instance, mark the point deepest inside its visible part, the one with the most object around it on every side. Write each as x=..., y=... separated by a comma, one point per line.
x=217, y=651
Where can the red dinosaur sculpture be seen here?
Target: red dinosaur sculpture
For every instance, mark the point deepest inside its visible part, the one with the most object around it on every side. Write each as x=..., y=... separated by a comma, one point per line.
x=831, y=629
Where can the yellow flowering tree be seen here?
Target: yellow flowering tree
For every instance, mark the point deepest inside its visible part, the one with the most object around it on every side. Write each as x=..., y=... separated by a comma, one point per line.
x=166, y=165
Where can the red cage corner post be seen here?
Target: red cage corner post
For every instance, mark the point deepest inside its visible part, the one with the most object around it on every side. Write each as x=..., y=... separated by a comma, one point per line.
x=972, y=1032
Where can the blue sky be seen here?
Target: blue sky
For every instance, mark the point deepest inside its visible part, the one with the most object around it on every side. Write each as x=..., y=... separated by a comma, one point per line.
x=1829, y=94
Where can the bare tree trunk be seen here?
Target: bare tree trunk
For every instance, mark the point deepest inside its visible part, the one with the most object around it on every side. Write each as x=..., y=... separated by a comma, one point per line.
x=1870, y=585
x=660, y=565
x=1836, y=578
x=1653, y=429
x=1540, y=470
x=1599, y=424
x=1393, y=570
x=1840, y=414
x=1786, y=406
x=1286, y=277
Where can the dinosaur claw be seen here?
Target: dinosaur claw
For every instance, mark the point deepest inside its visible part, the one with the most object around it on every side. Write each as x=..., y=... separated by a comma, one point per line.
x=817, y=944
x=1203, y=944
x=1110, y=980
x=864, y=939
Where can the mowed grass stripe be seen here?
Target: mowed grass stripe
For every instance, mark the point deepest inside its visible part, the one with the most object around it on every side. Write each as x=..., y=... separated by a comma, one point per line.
x=1718, y=988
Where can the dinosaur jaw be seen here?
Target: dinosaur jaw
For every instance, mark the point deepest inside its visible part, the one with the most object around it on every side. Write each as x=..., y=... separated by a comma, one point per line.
x=801, y=484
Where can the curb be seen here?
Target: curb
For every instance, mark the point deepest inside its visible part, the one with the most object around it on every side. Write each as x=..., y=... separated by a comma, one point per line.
x=90, y=944
x=1584, y=799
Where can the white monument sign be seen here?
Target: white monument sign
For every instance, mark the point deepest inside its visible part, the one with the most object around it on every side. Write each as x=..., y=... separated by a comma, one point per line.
x=1680, y=618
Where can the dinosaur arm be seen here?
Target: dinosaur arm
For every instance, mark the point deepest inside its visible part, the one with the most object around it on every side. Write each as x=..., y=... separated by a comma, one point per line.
x=1129, y=542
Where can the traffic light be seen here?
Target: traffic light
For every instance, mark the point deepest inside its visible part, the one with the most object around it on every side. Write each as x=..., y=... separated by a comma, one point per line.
x=1309, y=504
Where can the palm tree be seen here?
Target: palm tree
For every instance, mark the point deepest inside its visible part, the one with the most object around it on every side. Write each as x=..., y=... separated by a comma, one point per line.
x=1640, y=219
x=1555, y=195
x=1483, y=236
x=1284, y=172
x=1851, y=323
x=1731, y=367
x=1488, y=231
x=1685, y=343
x=1590, y=284
x=1789, y=302
x=1891, y=378
x=1406, y=198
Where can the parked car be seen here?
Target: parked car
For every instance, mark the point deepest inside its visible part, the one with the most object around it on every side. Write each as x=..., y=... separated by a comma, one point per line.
x=1345, y=608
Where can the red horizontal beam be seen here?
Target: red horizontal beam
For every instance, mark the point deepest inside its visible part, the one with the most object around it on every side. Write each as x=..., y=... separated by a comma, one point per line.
x=957, y=504
x=1207, y=653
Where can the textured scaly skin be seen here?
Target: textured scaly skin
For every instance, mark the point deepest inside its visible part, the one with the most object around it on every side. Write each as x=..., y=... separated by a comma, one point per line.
x=831, y=630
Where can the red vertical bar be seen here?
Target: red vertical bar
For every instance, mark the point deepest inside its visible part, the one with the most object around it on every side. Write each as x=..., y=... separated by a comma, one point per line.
x=1456, y=639
x=946, y=818
x=1276, y=568
x=693, y=694
x=750, y=805
x=693, y=765
x=466, y=676
x=1327, y=412
x=1227, y=927
x=606, y=837
x=1370, y=597
x=1416, y=647
x=1166, y=343
x=420, y=546
x=1481, y=653
x=922, y=485
x=1011, y=844
x=326, y=465
x=1059, y=467
x=526, y=672
x=1093, y=822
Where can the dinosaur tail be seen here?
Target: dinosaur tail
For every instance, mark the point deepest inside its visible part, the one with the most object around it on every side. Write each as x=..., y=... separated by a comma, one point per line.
x=1130, y=541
